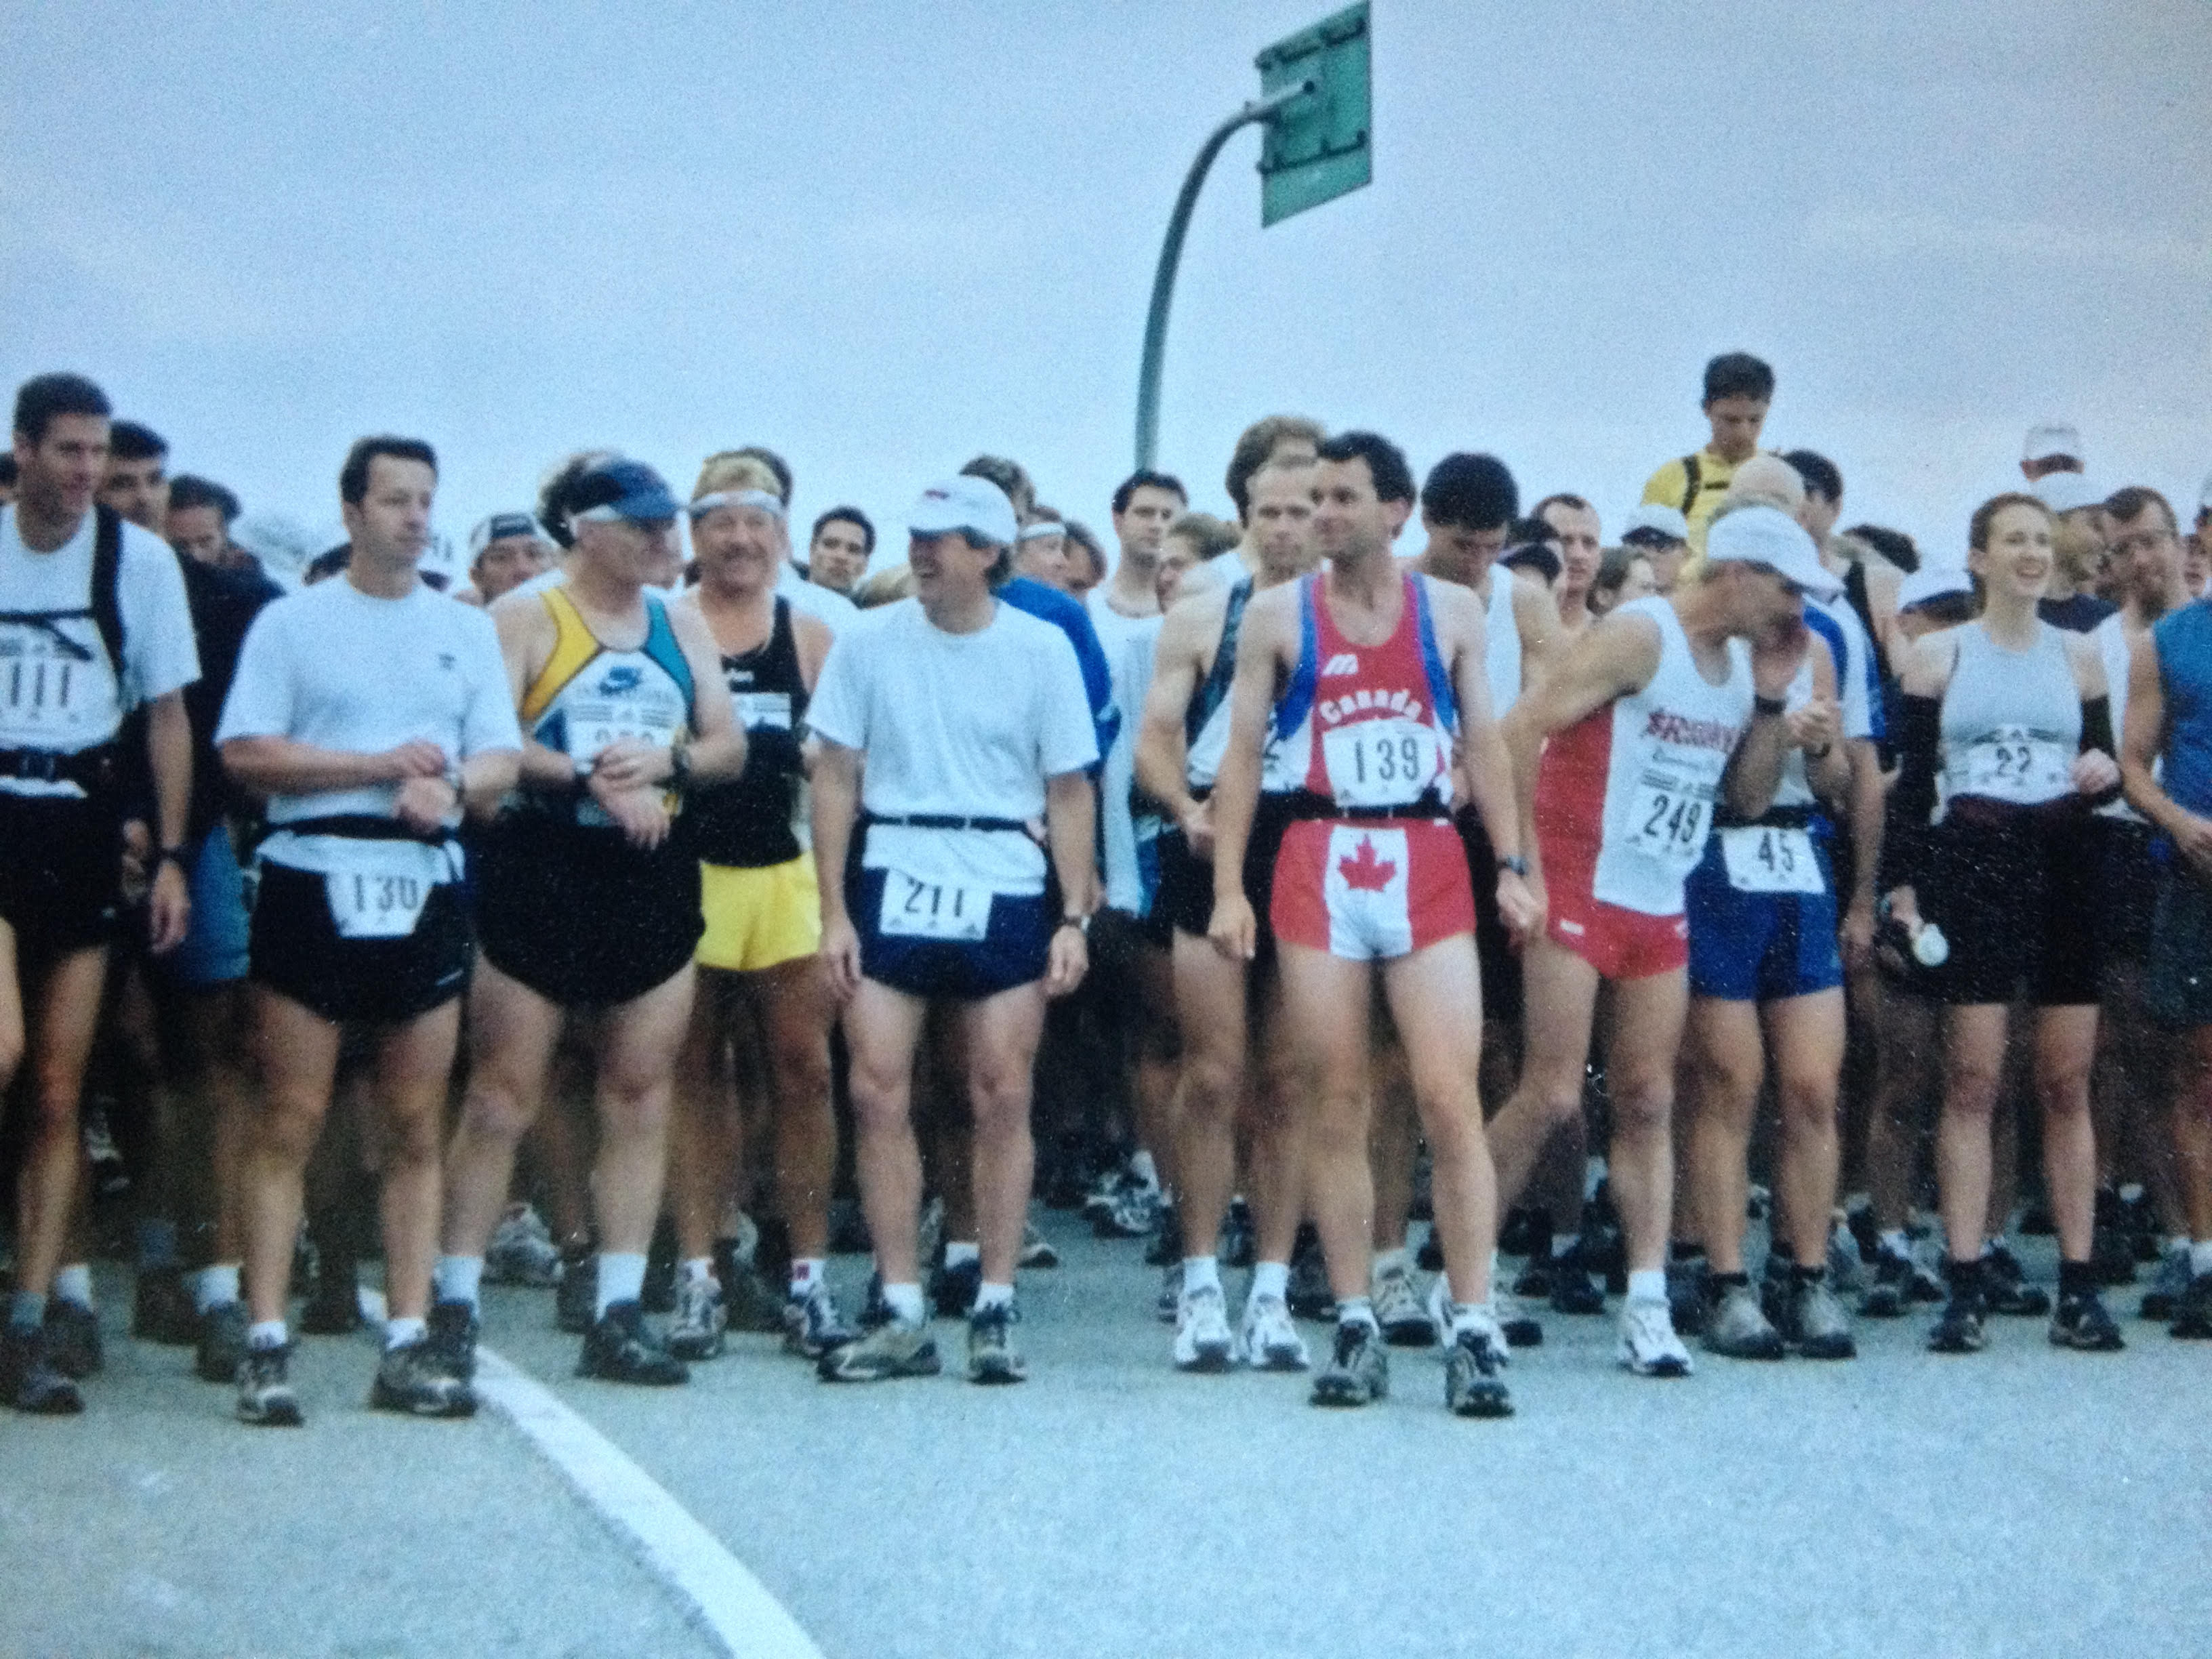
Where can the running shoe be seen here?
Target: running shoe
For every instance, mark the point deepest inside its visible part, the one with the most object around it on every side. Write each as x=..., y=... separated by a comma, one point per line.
x=1134, y=1214
x=1960, y=1329
x=1737, y=1327
x=1844, y=1266
x=1649, y=1346
x=1775, y=1280
x=1309, y=1296
x=1239, y=1244
x=2082, y=1322
x=811, y=1324
x=618, y=1348
x=2007, y=1289
x=1202, y=1340
x=1036, y=1250
x=453, y=1329
x=1473, y=1385
x=1866, y=1232
x=1534, y=1278
x=576, y=1297
x=73, y=1338
x=265, y=1389
x=1891, y=1292
x=749, y=1303
x=2192, y=1312
x=952, y=1287
x=1106, y=1190
x=1358, y=1368
x=414, y=1378
x=1166, y=1304
x=1522, y=1328
x=161, y=1309
x=2169, y=1284
x=658, y=1294
x=696, y=1331
x=221, y=1347
x=1398, y=1310
x=892, y=1349
x=1817, y=1325
x=30, y=1379
x=1574, y=1289
x=1430, y=1257
x=992, y=1357
x=1687, y=1297
x=1526, y=1232
x=521, y=1251
x=1267, y=1338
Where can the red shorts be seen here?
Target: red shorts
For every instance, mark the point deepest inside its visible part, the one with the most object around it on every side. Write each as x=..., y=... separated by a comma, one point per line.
x=1370, y=889
x=1620, y=943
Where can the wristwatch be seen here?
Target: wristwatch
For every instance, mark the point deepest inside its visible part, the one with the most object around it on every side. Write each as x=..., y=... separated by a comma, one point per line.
x=1081, y=924
x=1769, y=705
x=171, y=855
x=1516, y=864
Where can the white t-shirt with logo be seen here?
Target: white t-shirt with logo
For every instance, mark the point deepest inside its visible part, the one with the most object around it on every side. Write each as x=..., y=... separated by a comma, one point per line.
x=958, y=726
x=1129, y=643
x=58, y=689
x=336, y=668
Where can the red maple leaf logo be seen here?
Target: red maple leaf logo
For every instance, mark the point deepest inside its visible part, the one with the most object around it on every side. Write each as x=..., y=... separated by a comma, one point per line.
x=1364, y=873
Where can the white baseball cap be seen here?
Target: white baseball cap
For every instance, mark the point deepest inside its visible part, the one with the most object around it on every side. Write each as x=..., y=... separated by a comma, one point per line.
x=1654, y=521
x=2066, y=492
x=2049, y=438
x=1931, y=582
x=964, y=503
x=1760, y=534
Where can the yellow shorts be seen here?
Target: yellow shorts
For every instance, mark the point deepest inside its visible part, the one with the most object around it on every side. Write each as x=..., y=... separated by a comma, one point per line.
x=758, y=918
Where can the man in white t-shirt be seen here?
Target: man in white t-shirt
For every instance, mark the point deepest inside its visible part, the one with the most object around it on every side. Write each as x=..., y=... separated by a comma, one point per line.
x=968, y=721
x=92, y=622
x=368, y=711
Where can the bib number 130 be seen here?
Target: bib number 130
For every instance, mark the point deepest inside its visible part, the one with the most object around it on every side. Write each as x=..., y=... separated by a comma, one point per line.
x=933, y=909
x=375, y=907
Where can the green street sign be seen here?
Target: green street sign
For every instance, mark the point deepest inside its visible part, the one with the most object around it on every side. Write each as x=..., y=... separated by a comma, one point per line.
x=1317, y=148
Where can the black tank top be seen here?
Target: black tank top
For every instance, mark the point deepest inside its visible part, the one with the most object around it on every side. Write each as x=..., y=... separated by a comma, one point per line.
x=747, y=825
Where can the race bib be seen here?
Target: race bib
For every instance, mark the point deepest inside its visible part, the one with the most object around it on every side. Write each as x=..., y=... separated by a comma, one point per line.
x=365, y=906
x=55, y=683
x=596, y=726
x=1763, y=859
x=2012, y=764
x=764, y=709
x=1667, y=817
x=1381, y=762
x=934, y=909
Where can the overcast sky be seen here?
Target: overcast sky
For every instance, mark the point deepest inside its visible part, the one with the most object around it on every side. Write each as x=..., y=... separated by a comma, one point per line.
x=881, y=238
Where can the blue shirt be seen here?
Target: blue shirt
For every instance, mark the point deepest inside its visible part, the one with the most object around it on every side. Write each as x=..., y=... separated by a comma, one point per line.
x=1067, y=615
x=2185, y=674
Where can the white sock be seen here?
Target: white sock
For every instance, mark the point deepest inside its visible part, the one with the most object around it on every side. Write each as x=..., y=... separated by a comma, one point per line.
x=1455, y=1305
x=458, y=1278
x=1141, y=1166
x=2200, y=1255
x=957, y=1250
x=1385, y=1261
x=265, y=1333
x=1200, y=1273
x=697, y=1269
x=621, y=1277
x=215, y=1285
x=74, y=1284
x=1648, y=1284
x=1471, y=1317
x=1272, y=1278
x=905, y=1302
x=398, y=1333
x=806, y=1272
x=1357, y=1310
x=989, y=1295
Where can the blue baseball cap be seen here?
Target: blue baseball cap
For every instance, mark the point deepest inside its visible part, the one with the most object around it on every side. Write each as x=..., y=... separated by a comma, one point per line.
x=622, y=489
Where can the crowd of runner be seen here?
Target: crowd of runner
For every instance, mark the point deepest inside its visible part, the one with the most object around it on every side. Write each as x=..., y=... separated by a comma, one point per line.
x=659, y=912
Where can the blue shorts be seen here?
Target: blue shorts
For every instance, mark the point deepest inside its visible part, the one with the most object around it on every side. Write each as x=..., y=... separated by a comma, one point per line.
x=214, y=951
x=1015, y=945
x=1761, y=947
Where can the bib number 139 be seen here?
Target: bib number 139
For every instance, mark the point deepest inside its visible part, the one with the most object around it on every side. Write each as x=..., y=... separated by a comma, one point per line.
x=931, y=909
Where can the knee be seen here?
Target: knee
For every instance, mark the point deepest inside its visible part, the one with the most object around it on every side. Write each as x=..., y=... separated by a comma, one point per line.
x=802, y=1078
x=496, y=1109
x=1453, y=1139
x=1808, y=1105
x=412, y=1139
x=1642, y=1104
x=1211, y=1087
x=1000, y=1096
x=286, y=1130
x=1969, y=1090
x=2063, y=1090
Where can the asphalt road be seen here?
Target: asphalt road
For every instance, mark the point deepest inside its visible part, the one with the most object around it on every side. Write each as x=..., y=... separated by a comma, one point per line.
x=2024, y=1501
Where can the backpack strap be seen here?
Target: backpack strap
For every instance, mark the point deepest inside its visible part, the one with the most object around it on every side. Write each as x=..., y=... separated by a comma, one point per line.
x=1693, y=480
x=106, y=584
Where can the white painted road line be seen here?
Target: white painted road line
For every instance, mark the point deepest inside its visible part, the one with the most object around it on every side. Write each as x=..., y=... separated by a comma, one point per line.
x=748, y=1621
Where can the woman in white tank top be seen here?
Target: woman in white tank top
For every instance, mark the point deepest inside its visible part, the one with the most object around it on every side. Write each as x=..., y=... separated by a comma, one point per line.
x=2007, y=739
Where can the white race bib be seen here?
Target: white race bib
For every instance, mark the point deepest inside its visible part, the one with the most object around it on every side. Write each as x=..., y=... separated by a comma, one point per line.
x=596, y=726
x=375, y=906
x=1761, y=859
x=55, y=686
x=931, y=909
x=1667, y=817
x=764, y=709
x=1382, y=762
x=2011, y=764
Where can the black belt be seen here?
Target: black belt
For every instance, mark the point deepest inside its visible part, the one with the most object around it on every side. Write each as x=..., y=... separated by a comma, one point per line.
x=362, y=826
x=89, y=768
x=1305, y=804
x=944, y=821
x=1779, y=817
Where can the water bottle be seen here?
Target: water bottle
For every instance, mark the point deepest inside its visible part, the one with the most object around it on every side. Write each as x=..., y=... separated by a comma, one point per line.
x=1929, y=948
